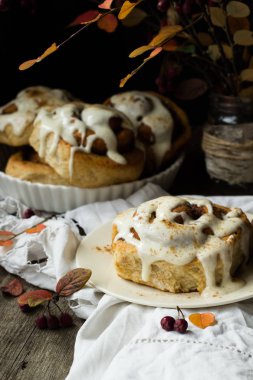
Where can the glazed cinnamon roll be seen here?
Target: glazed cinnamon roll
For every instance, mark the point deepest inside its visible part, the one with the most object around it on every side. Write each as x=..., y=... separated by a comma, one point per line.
x=182, y=245
x=160, y=125
x=88, y=145
x=17, y=116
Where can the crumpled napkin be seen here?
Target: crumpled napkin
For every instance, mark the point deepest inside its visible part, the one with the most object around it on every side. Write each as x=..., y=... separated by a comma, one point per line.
x=121, y=340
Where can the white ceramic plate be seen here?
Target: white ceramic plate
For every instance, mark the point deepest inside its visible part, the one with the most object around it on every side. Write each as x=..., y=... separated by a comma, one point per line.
x=93, y=253
x=63, y=198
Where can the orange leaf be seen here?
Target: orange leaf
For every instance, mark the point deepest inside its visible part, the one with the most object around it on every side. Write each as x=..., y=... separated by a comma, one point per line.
x=155, y=52
x=35, y=297
x=14, y=288
x=6, y=243
x=36, y=229
x=27, y=64
x=165, y=33
x=140, y=50
x=48, y=51
x=86, y=17
x=124, y=80
x=126, y=8
x=170, y=46
x=108, y=23
x=6, y=235
x=106, y=4
x=202, y=320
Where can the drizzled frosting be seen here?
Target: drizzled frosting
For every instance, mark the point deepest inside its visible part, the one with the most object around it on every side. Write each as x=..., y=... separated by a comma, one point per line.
x=73, y=118
x=26, y=105
x=158, y=240
x=144, y=108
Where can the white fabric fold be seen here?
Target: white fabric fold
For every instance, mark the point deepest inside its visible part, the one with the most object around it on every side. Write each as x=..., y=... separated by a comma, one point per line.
x=121, y=340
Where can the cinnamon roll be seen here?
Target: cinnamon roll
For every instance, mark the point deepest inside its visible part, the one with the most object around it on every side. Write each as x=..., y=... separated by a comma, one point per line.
x=87, y=145
x=160, y=124
x=182, y=245
x=27, y=166
x=17, y=116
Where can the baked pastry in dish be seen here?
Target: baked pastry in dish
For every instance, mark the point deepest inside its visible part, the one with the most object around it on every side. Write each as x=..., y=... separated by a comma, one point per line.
x=87, y=145
x=181, y=245
x=160, y=125
x=17, y=116
x=27, y=166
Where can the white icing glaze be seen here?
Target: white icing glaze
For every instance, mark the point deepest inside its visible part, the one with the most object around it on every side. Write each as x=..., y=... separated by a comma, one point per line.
x=135, y=104
x=63, y=123
x=181, y=245
x=28, y=102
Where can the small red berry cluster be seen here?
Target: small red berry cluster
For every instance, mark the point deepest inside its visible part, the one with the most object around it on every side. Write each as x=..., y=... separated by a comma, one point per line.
x=51, y=321
x=180, y=324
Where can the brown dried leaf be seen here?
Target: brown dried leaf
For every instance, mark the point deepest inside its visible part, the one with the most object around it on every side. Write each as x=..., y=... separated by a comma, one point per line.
x=72, y=281
x=140, y=50
x=237, y=9
x=134, y=18
x=235, y=24
x=205, y=39
x=35, y=297
x=190, y=89
x=126, y=8
x=164, y=34
x=47, y=52
x=108, y=23
x=125, y=79
x=243, y=37
x=27, y=64
x=14, y=288
x=86, y=17
x=218, y=16
x=247, y=75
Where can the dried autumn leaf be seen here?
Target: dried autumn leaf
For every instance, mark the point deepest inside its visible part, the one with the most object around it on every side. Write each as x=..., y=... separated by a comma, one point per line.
x=237, y=9
x=164, y=34
x=218, y=16
x=243, y=37
x=140, y=50
x=36, y=229
x=125, y=79
x=202, y=320
x=27, y=64
x=47, y=52
x=106, y=4
x=108, y=23
x=35, y=297
x=73, y=281
x=86, y=17
x=155, y=52
x=214, y=52
x=247, y=75
x=170, y=46
x=6, y=235
x=205, y=38
x=235, y=24
x=134, y=18
x=14, y=288
x=6, y=243
x=126, y=8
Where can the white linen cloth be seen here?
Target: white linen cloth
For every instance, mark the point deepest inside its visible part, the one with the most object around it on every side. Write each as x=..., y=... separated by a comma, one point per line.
x=120, y=340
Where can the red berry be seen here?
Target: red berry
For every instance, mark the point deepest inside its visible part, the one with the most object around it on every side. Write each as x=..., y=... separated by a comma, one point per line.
x=25, y=308
x=27, y=213
x=180, y=325
x=52, y=322
x=41, y=322
x=66, y=320
x=167, y=323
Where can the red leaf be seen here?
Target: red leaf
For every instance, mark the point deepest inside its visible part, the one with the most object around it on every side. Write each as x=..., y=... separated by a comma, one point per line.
x=72, y=281
x=36, y=229
x=108, y=23
x=106, y=4
x=14, y=288
x=6, y=243
x=35, y=297
x=86, y=17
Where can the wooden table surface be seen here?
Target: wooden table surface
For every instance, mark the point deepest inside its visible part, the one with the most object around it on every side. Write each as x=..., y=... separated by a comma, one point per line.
x=28, y=353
